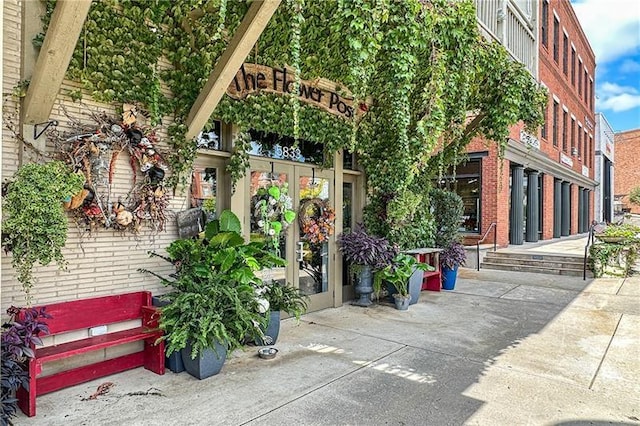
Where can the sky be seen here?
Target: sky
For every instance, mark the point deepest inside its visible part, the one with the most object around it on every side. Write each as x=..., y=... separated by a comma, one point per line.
x=613, y=30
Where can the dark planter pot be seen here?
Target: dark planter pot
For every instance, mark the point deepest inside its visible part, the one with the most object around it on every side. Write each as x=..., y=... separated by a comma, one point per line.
x=208, y=364
x=415, y=285
x=174, y=361
x=449, y=277
x=402, y=303
x=364, y=287
x=273, y=329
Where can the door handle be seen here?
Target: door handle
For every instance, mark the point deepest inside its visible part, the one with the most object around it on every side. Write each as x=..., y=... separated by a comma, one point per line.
x=300, y=252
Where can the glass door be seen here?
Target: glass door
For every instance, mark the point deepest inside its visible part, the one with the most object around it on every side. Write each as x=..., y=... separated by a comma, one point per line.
x=289, y=206
x=312, y=267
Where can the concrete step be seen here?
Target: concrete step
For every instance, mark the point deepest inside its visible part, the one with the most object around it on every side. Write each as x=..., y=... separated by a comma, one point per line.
x=535, y=269
x=545, y=263
x=535, y=256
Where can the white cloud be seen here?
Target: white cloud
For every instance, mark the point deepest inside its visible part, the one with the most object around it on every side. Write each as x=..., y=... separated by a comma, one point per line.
x=616, y=98
x=629, y=67
x=612, y=27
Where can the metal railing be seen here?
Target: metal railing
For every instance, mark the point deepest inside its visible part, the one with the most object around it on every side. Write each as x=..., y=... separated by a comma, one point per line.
x=493, y=225
x=590, y=241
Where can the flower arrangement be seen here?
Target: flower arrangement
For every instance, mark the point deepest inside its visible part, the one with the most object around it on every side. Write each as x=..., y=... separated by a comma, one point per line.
x=272, y=211
x=317, y=220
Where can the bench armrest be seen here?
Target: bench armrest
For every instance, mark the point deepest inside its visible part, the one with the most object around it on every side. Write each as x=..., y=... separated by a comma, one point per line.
x=150, y=317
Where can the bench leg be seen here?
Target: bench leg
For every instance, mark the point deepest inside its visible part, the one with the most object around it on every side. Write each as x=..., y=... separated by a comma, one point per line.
x=27, y=398
x=154, y=355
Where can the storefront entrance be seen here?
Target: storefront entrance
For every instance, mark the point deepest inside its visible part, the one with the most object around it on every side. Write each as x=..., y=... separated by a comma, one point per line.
x=278, y=188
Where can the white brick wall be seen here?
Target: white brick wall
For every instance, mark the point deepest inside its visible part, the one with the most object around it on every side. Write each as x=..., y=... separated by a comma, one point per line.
x=105, y=261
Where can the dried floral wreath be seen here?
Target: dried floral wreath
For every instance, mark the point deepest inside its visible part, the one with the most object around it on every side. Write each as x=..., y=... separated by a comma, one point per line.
x=93, y=152
x=317, y=220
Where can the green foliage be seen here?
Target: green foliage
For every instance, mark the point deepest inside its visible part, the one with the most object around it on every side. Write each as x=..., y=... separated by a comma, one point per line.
x=447, y=210
x=286, y=298
x=634, y=196
x=624, y=230
x=34, y=225
x=398, y=273
x=215, y=289
x=422, y=67
x=613, y=259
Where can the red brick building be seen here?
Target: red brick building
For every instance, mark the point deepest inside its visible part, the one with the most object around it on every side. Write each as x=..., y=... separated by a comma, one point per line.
x=627, y=171
x=544, y=187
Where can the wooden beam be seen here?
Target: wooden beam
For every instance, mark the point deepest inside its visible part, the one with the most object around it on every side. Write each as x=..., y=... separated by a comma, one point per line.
x=248, y=32
x=54, y=58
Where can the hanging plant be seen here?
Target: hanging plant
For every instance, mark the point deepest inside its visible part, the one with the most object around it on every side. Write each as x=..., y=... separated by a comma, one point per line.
x=34, y=225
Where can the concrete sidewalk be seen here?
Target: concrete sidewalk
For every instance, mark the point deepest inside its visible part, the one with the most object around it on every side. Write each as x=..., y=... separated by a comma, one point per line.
x=504, y=348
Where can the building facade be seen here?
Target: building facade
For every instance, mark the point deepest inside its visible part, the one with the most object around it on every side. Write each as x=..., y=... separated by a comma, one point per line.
x=604, y=170
x=544, y=186
x=627, y=146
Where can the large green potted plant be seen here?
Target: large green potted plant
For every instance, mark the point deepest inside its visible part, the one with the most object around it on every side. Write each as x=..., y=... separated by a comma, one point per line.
x=404, y=276
x=215, y=303
x=365, y=253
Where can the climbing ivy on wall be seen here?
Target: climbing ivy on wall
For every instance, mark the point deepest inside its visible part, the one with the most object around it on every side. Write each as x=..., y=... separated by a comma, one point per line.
x=431, y=82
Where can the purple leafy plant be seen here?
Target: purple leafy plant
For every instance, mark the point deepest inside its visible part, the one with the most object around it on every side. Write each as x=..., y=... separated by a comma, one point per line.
x=361, y=248
x=17, y=337
x=453, y=256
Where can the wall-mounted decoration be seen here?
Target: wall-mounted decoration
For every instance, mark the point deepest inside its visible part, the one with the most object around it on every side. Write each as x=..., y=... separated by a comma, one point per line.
x=93, y=151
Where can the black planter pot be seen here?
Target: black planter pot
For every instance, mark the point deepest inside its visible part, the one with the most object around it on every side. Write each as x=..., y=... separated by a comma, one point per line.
x=174, y=361
x=207, y=364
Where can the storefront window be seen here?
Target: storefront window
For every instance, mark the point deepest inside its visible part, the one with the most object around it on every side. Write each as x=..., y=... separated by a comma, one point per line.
x=210, y=138
x=204, y=190
x=466, y=184
x=272, y=145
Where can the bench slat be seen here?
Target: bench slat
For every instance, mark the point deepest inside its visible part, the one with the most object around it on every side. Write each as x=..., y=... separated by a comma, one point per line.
x=52, y=353
x=87, y=373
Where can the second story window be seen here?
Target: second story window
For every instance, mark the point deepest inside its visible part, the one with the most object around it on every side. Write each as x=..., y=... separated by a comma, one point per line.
x=565, y=58
x=556, y=41
x=573, y=66
x=545, y=23
x=579, y=77
x=555, y=124
x=591, y=95
x=573, y=136
x=579, y=141
x=564, y=130
x=586, y=86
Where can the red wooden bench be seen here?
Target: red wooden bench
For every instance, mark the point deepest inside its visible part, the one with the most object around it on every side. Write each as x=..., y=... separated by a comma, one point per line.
x=86, y=314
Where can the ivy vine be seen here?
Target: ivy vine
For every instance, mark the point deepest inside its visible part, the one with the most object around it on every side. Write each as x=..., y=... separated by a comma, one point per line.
x=431, y=80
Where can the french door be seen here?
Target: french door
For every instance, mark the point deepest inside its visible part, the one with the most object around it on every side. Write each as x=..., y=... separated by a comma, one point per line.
x=278, y=186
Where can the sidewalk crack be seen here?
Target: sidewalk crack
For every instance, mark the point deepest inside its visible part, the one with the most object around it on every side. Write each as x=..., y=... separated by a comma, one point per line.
x=595, y=375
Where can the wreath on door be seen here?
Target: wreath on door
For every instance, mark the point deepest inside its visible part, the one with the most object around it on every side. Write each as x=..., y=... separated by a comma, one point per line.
x=317, y=220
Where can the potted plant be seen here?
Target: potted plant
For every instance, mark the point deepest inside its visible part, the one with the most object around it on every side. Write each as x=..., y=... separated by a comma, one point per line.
x=450, y=259
x=404, y=275
x=215, y=303
x=281, y=298
x=365, y=254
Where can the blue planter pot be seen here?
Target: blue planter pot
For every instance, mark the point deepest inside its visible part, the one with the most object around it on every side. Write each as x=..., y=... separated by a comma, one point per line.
x=174, y=361
x=272, y=331
x=208, y=364
x=449, y=277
